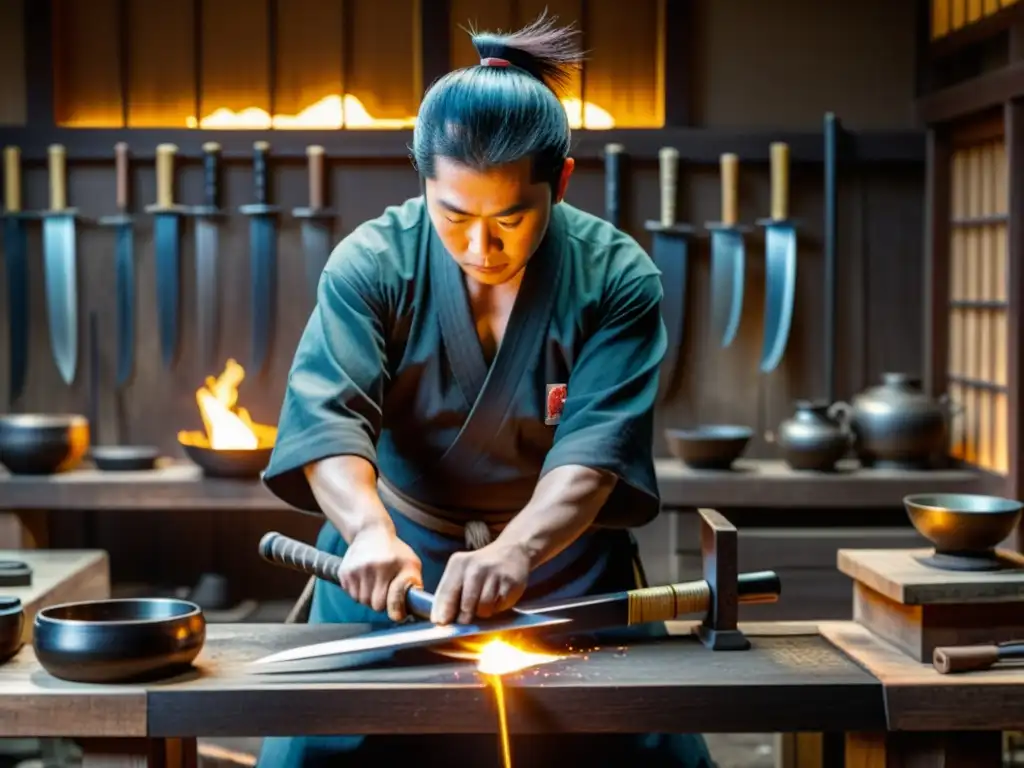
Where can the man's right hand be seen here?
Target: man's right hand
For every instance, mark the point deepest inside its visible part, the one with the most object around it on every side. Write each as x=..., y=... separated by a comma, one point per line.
x=378, y=569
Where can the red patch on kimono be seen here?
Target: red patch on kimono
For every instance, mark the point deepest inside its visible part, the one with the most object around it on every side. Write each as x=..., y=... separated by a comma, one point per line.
x=554, y=404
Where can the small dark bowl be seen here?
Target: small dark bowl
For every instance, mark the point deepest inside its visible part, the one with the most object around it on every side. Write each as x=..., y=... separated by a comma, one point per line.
x=963, y=522
x=42, y=443
x=12, y=627
x=124, y=458
x=241, y=463
x=116, y=641
x=714, y=446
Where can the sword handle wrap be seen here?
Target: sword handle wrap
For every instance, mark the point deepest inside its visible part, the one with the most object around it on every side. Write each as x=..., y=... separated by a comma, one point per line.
x=165, y=175
x=121, y=175
x=259, y=170
x=281, y=550
x=58, y=189
x=672, y=601
x=211, y=184
x=780, y=181
x=668, y=174
x=612, y=179
x=730, y=188
x=315, y=155
x=12, y=179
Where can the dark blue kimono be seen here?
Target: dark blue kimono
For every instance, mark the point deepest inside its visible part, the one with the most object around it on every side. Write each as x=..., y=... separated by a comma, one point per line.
x=390, y=368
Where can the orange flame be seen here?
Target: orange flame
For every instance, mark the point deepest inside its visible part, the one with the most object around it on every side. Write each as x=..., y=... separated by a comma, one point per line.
x=226, y=426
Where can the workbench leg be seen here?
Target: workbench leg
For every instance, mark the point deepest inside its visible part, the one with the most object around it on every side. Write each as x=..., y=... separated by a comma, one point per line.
x=798, y=750
x=139, y=753
x=911, y=749
x=24, y=529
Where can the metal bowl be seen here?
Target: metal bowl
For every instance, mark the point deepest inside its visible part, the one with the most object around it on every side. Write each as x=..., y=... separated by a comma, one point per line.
x=963, y=522
x=714, y=446
x=112, y=641
x=12, y=627
x=124, y=458
x=42, y=443
x=240, y=463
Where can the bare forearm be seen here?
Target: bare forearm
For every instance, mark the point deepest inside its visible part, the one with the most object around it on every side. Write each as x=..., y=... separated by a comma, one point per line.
x=564, y=504
x=345, y=487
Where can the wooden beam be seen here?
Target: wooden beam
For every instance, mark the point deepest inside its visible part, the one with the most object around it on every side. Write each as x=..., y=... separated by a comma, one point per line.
x=678, y=61
x=1014, y=138
x=972, y=96
x=936, y=260
x=696, y=145
x=976, y=32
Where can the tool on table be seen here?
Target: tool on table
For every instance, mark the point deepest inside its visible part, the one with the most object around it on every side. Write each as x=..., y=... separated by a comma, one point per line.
x=976, y=658
x=263, y=258
x=727, y=257
x=61, y=267
x=167, y=239
x=614, y=156
x=207, y=240
x=16, y=259
x=584, y=614
x=780, y=263
x=669, y=249
x=831, y=244
x=316, y=222
x=124, y=266
x=15, y=573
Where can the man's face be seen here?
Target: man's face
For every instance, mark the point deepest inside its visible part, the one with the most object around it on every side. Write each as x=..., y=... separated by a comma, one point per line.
x=491, y=221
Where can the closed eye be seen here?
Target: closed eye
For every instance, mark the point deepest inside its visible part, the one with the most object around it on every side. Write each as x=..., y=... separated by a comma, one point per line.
x=511, y=224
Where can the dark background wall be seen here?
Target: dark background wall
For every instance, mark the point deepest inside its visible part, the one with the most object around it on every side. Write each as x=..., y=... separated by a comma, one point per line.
x=757, y=65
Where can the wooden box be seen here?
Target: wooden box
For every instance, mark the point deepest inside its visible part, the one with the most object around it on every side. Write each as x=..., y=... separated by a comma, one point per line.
x=917, y=607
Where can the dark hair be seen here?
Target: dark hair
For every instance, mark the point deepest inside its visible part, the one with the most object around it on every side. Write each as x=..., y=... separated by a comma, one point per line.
x=486, y=116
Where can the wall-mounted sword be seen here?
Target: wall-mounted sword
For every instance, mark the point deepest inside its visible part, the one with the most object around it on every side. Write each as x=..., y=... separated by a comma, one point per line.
x=16, y=261
x=316, y=223
x=262, y=259
x=727, y=257
x=780, y=263
x=167, y=245
x=124, y=265
x=207, y=241
x=61, y=267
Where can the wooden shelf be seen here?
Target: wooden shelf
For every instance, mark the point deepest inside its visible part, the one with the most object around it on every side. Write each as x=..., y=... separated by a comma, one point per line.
x=754, y=484
x=696, y=145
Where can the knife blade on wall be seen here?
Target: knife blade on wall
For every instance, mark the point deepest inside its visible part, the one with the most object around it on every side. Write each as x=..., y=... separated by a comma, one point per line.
x=727, y=257
x=207, y=241
x=262, y=260
x=16, y=263
x=780, y=263
x=60, y=265
x=167, y=247
x=316, y=222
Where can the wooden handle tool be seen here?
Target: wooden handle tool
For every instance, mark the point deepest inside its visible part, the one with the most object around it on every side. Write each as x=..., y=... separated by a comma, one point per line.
x=165, y=175
x=315, y=157
x=668, y=176
x=975, y=658
x=58, y=177
x=121, y=175
x=730, y=188
x=12, y=179
x=780, y=181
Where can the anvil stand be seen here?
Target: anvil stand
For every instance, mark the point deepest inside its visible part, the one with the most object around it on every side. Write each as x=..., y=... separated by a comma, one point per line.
x=719, y=548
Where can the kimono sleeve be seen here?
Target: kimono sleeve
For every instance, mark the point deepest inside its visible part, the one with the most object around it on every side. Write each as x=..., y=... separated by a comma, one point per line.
x=607, y=419
x=334, y=396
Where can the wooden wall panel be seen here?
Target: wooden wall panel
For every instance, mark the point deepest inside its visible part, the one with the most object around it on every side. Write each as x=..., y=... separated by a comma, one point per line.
x=978, y=325
x=952, y=15
x=309, y=81
x=87, y=70
x=382, y=73
x=161, y=64
x=235, y=71
x=12, y=63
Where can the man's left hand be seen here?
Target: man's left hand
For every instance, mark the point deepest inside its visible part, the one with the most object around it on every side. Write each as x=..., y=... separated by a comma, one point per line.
x=481, y=583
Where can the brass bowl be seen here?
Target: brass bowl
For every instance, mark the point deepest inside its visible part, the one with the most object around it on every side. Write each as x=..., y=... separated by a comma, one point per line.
x=963, y=522
x=42, y=443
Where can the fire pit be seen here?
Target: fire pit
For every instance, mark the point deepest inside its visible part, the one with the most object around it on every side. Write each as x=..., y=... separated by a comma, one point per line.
x=231, y=443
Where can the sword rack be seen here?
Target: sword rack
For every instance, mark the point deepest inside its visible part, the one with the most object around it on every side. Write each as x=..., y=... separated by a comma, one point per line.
x=719, y=548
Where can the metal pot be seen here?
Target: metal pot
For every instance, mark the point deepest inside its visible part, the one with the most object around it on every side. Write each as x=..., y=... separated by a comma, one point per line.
x=42, y=443
x=815, y=437
x=897, y=425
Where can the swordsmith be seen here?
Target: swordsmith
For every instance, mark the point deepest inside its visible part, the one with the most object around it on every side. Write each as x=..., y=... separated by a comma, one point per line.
x=167, y=244
x=671, y=241
x=780, y=263
x=262, y=259
x=124, y=266
x=727, y=257
x=16, y=260
x=207, y=237
x=61, y=267
x=316, y=222
x=585, y=614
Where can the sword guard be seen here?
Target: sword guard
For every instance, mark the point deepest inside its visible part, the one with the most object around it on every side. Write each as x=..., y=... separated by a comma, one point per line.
x=259, y=209
x=22, y=215
x=770, y=222
x=718, y=226
x=157, y=209
x=314, y=213
x=678, y=230
x=207, y=211
x=62, y=213
x=115, y=220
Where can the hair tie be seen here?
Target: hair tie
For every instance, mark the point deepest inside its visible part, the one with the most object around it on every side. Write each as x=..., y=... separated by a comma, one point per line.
x=491, y=61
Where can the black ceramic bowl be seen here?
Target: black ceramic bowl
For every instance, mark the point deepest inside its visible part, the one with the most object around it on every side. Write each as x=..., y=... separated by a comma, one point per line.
x=114, y=641
x=963, y=522
x=42, y=443
x=12, y=626
x=124, y=458
x=713, y=446
x=241, y=463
